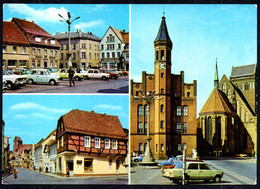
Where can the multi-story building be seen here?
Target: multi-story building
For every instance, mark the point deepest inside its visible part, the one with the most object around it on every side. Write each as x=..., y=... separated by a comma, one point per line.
x=113, y=47
x=16, y=48
x=84, y=49
x=25, y=44
x=90, y=144
x=173, y=118
x=38, y=156
x=46, y=150
x=227, y=123
x=53, y=156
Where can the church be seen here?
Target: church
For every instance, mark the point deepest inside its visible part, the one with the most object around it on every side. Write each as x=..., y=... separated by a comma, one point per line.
x=173, y=117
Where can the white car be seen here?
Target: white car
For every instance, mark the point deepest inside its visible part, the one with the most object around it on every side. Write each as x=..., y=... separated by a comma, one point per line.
x=13, y=80
x=43, y=76
x=95, y=73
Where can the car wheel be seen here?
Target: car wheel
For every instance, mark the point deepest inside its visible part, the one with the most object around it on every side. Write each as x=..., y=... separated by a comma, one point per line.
x=186, y=180
x=104, y=78
x=30, y=81
x=113, y=77
x=77, y=78
x=87, y=77
x=136, y=160
x=217, y=179
x=52, y=82
x=9, y=85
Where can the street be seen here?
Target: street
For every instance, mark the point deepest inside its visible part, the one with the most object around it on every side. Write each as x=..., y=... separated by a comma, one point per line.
x=236, y=172
x=120, y=85
x=25, y=176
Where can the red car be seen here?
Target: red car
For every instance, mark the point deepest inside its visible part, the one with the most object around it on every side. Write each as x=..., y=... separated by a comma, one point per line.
x=113, y=74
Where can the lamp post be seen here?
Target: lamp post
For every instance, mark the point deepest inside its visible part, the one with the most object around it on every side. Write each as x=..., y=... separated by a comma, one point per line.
x=148, y=98
x=69, y=23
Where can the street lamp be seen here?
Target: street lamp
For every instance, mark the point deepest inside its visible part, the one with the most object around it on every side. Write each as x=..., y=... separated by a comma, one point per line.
x=148, y=98
x=69, y=23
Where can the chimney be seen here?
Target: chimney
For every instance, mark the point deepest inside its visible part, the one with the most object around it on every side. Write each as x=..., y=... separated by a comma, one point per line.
x=123, y=31
x=105, y=114
x=92, y=111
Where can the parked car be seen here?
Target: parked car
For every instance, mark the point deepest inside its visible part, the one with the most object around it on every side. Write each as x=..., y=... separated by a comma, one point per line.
x=170, y=161
x=138, y=158
x=4, y=84
x=52, y=70
x=21, y=71
x=113, y=74
x=65, y=75
x=195, y=171
x=43, y=76
x=95, y=73
x=12, y=80
x=81, y=71
x=122, y=72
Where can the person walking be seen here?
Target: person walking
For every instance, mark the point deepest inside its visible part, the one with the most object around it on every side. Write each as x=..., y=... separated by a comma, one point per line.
x=68, y=172
x=71, y=75
x=15, y=173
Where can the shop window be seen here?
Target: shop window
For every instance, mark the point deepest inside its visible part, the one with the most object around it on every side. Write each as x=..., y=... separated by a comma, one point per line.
x=88, y=164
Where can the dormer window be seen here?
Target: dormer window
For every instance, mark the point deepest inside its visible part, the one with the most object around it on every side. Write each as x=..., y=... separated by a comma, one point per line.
x=45, y=41
x=37, y=39
x=52, y=41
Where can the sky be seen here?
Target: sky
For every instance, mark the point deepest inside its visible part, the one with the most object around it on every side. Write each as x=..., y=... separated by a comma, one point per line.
x=199, y=34
x=33, y=117
x=95, y=18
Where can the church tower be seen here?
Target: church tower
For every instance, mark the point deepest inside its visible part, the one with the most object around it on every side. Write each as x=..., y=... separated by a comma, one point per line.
x=162, y=74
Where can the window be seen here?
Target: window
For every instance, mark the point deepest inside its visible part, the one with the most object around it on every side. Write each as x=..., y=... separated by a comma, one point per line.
x=118, y=54
x=188, y=94
x=103, y=55
x=185, y=110
x=179, y=147
x=108, y=55
x=162, y=54
x=83, y=54
x=88, y=164
x=224, y=87
x=62, y=141
x=89, y=55
x=73, y=46
x=97, y=142
x=178, y=110
x=185, y=128
x=162, y=108
x=74, y=55
x=51, y=54
x=140, y=127
x=162, y=148
x=83, y=46
x=243, y=86
x=140, y=147
x=145, y=110
x=102, y=47
x=156, y=55
x=246, y=86
x=39, y=52
x=52, y=41
x=87, y=141
x=162, y=75
x=193, y=166
x=89, y=46
x=11, y=62
x=119, y=46
x=114, y=144
x=145, y=127
x=61, y=55
x=107, y=143
x=204, y=167
x=14, y=49
x=23, y=50
x=178, y=128
x=113, y=55
x=33, y=51
x=45, y=52
x=4, y=49
x=162, y=123
x=37, y=39
x=145, y=145
x=22, y=62
x=140, y=109
x=162, y=91
x=252, y=85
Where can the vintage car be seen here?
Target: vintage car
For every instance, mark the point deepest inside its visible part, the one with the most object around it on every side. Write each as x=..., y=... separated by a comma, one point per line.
x=170, y=161
x=12, y=80
x=63, y=72
x=81, y=71
x=195, y=171
x=21, y=71
x=52, y=70
x=113, y=74
x=43, y=76
x=96, y=74
x=138, y=158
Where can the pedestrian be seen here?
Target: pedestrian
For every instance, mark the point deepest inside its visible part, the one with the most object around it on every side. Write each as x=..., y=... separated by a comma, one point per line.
x=15, y=173
x=71, y=75
x=68, y=172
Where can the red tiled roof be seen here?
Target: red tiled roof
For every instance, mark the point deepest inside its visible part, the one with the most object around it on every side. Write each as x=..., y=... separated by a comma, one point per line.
x=24, y=147
x=125, y=37
x=92, y=123
x=12, y=34
x=31, y=30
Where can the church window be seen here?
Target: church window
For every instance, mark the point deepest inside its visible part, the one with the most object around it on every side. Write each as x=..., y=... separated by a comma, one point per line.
x=178, y=110
x=185, y=110
x=140, y=127
x=162, y=54
x=140, y=109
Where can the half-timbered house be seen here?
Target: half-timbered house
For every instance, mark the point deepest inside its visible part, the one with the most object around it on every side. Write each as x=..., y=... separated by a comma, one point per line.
x=90, y=143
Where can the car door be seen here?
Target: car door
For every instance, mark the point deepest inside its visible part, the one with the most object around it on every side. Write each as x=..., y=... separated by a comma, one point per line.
x=41, y=77
x=33, y=75
x=63, y=73
x=96, y=74
x=193, y=171
x=205, y=172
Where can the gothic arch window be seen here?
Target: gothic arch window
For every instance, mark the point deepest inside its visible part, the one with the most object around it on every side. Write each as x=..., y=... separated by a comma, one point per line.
x=218, y=131
x=224, y=87
x=208, y=132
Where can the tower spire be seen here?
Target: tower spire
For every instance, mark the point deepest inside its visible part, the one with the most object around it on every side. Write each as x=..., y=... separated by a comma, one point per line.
x=163, y=35
x=216, y=75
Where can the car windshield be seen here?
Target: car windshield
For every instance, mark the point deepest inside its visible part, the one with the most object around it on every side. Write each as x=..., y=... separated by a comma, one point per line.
x=179, y=166
x=170, y=159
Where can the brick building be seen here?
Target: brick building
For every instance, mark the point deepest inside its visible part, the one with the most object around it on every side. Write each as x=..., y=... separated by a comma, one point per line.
x=89, y=143
x=173, y=118
x=227, y=123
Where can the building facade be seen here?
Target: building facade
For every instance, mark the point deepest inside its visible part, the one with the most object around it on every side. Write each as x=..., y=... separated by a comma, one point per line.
x=227, y=123
x=90, y=144
x=114, y=49
x=25, y=44
x=173, y=118
x=84, y=49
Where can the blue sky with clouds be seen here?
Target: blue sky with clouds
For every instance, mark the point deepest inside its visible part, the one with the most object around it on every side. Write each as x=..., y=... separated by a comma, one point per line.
x=33, y=117
x=200, y=34
x=95, y=18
